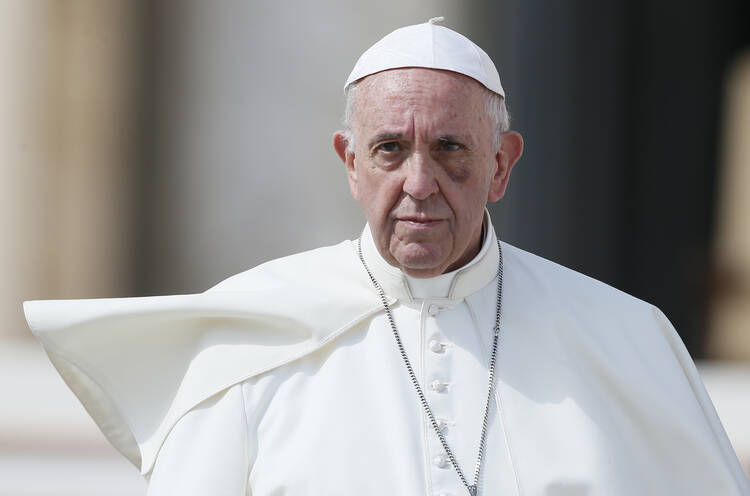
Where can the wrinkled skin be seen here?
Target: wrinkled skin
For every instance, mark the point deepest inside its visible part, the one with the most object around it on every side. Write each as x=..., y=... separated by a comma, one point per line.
x=424, y=166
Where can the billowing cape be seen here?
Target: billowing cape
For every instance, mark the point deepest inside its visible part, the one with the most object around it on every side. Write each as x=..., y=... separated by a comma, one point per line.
x=139, y=364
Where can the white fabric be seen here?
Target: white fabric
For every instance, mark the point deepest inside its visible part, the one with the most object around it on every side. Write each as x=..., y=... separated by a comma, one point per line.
x=139, y=364
x=206, y=452
x=431, y=46
x=595, y=391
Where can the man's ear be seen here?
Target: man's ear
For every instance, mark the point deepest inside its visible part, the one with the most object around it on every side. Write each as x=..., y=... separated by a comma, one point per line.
x=511, y=148
x=346, y=154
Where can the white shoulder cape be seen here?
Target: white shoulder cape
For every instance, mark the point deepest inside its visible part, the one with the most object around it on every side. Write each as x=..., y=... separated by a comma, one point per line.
x=139, y=364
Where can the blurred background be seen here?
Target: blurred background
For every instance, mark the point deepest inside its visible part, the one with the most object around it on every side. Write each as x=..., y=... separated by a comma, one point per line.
x=158, y=147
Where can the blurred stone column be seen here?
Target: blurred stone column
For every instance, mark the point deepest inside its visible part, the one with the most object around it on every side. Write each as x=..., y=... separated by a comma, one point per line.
x=69, y=73
x=68, y=98
x=100, y=108
x=729, y=336
x=30, y=144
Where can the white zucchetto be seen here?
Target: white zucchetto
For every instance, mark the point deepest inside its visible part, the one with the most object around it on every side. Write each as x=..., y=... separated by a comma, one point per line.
x=431, y=46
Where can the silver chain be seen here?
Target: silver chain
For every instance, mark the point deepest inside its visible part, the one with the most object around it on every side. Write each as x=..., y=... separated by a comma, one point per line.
x=422, y=398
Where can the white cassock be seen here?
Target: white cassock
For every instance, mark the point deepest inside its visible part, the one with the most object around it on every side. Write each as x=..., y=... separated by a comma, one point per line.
x=286, y=380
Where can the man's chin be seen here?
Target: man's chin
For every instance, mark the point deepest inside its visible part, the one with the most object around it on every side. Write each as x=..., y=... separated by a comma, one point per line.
x=423, y=273
x=420, y=260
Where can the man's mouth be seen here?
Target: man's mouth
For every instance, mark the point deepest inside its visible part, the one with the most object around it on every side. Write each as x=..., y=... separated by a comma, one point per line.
x=420, y=222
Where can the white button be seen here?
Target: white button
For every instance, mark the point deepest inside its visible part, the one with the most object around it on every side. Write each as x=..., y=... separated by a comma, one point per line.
x=433, y=309
x=440, y=461
x=436, y=346
x=442, y=424
x=438, y=386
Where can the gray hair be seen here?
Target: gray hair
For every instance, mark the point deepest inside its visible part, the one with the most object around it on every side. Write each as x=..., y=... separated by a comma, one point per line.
x=494, y=105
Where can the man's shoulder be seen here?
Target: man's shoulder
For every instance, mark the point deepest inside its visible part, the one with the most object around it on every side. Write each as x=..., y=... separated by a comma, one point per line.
x=559, y=303
x=551, y=280
x=325, y=265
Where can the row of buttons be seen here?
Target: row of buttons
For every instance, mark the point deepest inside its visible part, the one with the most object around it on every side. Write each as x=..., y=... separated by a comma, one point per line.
x=435, y=346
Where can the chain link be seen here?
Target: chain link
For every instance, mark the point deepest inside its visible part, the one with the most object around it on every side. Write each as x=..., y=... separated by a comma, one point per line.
x=472, y=488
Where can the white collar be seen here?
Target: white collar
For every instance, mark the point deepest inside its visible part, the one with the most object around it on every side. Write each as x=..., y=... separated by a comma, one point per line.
x=455, y=285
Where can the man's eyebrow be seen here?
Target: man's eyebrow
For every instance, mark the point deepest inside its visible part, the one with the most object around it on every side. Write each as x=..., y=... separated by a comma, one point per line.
x=451, y=138
x=384, y=137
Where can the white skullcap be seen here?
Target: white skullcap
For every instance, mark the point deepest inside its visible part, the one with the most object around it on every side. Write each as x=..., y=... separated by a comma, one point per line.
x=431, y=46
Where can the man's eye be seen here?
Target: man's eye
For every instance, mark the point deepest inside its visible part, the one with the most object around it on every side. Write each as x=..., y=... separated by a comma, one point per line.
x=449, y=146
x=389, y=147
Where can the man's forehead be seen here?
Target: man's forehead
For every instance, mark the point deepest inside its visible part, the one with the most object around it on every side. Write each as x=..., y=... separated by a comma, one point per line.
x=409, y=86
x=405, y=78
x=441, y=103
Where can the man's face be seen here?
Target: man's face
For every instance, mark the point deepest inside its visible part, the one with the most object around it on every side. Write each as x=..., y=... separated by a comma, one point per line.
x=424, y=166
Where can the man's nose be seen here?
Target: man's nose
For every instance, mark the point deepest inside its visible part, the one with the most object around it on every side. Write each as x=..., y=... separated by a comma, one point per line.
x=420, y=181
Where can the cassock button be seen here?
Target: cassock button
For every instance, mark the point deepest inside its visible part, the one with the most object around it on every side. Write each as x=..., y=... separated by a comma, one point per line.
x=433, y=309
x=440, y=461
x=436, y=346
x=438, y=386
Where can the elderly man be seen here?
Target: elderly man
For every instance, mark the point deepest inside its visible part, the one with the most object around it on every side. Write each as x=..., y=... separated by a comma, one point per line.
x=423, y=358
